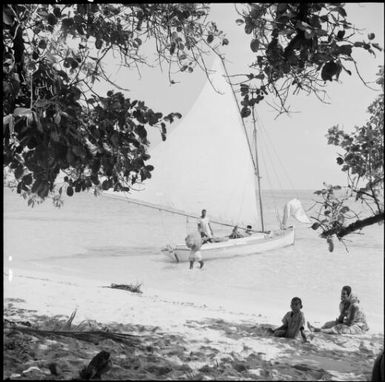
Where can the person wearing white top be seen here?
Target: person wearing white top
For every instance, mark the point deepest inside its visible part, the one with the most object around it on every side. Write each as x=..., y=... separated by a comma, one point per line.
x=205, y=227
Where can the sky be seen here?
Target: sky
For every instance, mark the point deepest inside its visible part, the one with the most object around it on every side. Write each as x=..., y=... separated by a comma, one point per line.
x=293, y=149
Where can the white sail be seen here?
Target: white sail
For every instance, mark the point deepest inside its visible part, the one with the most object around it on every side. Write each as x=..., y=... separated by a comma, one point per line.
x=205, y=163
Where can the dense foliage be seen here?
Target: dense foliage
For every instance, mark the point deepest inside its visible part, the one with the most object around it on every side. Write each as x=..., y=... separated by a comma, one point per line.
x=298, y=47
x=363, y=161
x=53, y=122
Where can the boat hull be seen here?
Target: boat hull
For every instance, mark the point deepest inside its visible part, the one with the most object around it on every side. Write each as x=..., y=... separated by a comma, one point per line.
x=236, y=247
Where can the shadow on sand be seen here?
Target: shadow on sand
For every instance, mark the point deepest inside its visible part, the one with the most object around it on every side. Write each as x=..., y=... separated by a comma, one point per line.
x=155, y=354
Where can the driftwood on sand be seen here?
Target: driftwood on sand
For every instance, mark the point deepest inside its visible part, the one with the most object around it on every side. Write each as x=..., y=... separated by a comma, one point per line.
x=94, y=336
x=135, y=288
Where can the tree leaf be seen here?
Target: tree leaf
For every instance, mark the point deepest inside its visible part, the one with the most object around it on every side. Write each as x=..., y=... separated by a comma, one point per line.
x=7, y=18
x=315, y=225
x=245, y=112
x=329, y=70
x=52, y=20
x=172, y=48
x=57, y=12
x=254, y=45
x=98, y=44
x=70, y=191
x=341, y=11
x=248, y=28
x=106, y=185
x=19, y=171
x=345, y=49
x=281, y=8
x=340, y=34
x=27, y=179
x=94, y=178
x=141, y=131
x=377, y=46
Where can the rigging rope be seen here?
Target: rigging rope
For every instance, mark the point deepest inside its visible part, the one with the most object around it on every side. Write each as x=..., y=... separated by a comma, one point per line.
x=266, y=147
x=267, y=169
x=273, y=194
x=278, y=158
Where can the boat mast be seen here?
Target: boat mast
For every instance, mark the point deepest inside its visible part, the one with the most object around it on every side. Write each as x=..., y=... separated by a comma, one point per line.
x=257, y=174
x=258, y=195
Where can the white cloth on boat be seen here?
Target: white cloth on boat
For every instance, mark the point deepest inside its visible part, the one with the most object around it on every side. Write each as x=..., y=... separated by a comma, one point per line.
x=294, y=208
x=205, y=227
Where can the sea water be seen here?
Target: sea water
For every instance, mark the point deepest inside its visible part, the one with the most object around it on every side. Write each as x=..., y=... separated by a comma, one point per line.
x=113, y=241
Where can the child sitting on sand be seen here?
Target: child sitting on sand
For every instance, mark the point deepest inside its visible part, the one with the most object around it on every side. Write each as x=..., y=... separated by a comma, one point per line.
x=293, y=322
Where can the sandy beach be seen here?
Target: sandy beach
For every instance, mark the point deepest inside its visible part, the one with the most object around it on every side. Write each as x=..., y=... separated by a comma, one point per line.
x=168, y=339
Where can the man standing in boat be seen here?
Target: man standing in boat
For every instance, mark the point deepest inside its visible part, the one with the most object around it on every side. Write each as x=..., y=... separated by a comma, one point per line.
x=204, y=228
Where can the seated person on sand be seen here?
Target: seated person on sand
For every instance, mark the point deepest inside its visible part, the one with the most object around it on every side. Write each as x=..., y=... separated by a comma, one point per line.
x=249, y=230
x=293, y=322
x=351, y=320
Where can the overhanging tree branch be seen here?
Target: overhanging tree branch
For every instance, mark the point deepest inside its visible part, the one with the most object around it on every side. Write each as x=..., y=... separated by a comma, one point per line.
x=357, y=225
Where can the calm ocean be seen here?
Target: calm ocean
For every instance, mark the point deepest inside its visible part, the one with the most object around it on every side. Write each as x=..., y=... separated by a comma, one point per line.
x=111, y=240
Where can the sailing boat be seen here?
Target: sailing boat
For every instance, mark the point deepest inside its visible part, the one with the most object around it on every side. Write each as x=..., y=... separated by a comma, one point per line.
x=207, y=162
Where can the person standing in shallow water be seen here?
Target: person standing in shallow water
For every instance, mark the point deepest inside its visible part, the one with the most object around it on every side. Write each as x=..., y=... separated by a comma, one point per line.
x=194, y=242
x=293, y=322
x=351, y=320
